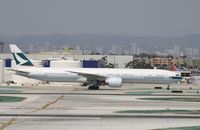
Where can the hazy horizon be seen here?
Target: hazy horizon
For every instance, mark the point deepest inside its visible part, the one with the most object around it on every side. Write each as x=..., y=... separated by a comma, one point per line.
x=130, y=17
x=111, y=34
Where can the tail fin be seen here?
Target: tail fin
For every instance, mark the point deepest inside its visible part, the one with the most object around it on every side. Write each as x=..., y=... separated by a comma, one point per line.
x=19, y=56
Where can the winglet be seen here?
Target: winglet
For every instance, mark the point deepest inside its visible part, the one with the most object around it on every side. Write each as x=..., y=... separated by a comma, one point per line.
x=19, y=56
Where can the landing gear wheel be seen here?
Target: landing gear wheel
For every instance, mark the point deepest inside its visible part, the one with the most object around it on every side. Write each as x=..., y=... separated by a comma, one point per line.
x=93, y=87
x=96, y=87
x=90, y=88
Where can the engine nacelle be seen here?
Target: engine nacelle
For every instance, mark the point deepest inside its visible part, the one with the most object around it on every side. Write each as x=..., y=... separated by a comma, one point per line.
x=114, y=82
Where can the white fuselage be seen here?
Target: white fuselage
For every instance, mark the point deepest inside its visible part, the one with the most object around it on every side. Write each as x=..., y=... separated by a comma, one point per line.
x=127, y=75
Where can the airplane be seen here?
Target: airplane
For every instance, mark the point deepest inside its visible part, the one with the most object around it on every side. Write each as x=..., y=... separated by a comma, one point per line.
x=93, y=77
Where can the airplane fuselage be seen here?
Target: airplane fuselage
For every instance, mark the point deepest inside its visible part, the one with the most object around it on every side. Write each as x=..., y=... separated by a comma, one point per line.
x=155, y=76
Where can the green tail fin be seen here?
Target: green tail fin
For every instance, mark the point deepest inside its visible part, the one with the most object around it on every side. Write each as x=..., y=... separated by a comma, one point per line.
x=19, y=56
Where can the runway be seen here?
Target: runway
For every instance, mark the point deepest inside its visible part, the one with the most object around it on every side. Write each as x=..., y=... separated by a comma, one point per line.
x=74, y=108
x=86, y=123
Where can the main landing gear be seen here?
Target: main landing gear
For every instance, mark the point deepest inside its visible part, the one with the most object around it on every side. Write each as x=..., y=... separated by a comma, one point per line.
x=93, y=87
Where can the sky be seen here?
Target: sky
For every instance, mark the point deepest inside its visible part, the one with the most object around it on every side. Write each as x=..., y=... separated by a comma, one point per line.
x=133, y=17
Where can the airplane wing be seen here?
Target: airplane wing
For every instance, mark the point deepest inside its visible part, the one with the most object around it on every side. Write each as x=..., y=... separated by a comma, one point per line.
x=90, y=77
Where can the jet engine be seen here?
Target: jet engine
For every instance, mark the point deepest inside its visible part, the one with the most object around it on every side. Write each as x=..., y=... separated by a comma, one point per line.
x=115, y=82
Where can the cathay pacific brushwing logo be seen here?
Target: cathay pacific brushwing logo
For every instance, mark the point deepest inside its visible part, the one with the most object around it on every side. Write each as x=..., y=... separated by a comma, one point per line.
x=21, y=59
